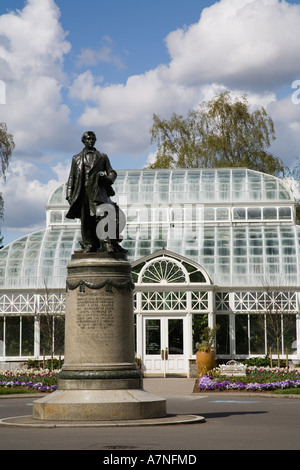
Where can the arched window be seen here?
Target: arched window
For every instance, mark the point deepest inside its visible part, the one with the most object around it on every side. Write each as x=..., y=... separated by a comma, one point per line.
x=167, y=282
x=167, y=268
x=163, y=271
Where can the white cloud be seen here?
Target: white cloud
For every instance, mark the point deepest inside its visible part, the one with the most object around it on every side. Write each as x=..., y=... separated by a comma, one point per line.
x=253, y=44
x=286, y=116
x=123, y=113
x=35, y=40
x=245, y=46
x=25, y=195
x=105, y=53
x=32, y=51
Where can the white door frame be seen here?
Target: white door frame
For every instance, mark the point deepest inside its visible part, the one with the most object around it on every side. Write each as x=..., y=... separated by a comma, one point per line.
x=164, y=362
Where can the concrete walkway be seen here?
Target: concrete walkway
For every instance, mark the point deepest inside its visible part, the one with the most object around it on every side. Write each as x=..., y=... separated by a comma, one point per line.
x=233, y=421
x=160, y=387
x=168, y=386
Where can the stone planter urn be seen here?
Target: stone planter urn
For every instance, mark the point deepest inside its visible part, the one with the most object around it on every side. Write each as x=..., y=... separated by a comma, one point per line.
x=205, y=355
x=206, y=361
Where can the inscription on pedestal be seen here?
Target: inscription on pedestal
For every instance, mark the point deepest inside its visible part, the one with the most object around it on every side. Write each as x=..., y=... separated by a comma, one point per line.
x=95, y=314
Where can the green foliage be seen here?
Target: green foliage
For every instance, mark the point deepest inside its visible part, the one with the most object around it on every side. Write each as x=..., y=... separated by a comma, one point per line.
x=138, y=361
x=207, y=338
x=51, y=364
x=222, y=132
x=6, y=148
x=288, y=391
x=15, y=391
x=258, y=361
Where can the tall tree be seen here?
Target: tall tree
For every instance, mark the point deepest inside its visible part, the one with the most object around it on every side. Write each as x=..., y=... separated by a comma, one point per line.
x=6, y=148
x=222, y=132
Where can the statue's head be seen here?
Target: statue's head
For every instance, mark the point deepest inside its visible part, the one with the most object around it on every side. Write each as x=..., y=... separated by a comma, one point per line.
x=89, y=138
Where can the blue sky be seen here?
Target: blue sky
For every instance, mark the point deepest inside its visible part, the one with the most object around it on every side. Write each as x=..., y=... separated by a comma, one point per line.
x=134, y=31
x=73, y=65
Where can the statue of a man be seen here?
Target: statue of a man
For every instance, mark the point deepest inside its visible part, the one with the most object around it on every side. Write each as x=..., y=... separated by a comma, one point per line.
x=89, y=184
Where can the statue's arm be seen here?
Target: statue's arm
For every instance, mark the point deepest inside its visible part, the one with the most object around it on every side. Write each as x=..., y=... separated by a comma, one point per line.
x=111, y=173
x=70, y=182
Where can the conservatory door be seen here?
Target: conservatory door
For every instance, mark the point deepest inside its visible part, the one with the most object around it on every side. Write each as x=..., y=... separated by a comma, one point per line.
x=164, y=346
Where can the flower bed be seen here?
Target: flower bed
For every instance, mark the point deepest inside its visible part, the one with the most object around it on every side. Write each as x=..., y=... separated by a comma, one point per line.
x=28, y=385
x=255, y=380
x=42, y=381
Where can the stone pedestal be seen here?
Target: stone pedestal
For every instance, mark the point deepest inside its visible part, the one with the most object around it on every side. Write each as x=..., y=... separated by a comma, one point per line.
x=99, y=379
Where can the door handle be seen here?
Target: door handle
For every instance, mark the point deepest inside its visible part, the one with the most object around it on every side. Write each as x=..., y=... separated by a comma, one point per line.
x=164, y=354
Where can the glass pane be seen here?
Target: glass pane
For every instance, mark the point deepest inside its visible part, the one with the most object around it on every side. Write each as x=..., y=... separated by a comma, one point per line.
x=57, y=196
x=241, y=334
x=289, y=333
x=239, y=214
x=46, y=334
x=285, y=213
x=153, y=337
x=59, y=335
x=175, y=328
x=209, y=214
x=222, y=213
x=254, y=213
x=56, y=217
x=199, y=322
x=12, y=336
x=1, y=337
x=270, y=213
x=222, y=337
x=257, y=337
x=27, y=336
x=274, y=332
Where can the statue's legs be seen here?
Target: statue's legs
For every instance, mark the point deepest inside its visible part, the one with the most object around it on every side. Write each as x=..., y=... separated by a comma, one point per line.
x=90, y=241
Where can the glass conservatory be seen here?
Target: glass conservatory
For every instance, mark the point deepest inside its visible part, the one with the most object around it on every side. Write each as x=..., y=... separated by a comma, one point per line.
x=206, y=246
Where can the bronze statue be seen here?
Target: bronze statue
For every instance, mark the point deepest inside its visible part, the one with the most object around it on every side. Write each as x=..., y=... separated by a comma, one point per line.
x=89, y=185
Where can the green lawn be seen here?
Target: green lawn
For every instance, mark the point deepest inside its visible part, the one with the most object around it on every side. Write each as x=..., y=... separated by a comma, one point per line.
x=13, y=391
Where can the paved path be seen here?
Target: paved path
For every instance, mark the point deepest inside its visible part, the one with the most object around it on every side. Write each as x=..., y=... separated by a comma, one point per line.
x=233, y=421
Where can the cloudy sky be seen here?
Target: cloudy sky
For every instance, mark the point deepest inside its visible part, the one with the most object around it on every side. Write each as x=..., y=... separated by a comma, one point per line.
x=67, y=66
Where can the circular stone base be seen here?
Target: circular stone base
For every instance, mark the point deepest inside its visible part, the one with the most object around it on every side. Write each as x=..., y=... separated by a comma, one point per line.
x=29, y=421
x=106, y=379
x=99, y=405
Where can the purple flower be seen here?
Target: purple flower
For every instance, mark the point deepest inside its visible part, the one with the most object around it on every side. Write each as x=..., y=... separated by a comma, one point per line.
x=206, y=383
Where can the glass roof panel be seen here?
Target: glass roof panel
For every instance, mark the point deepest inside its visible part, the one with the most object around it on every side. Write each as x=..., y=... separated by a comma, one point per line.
x=191, y=185
x=232, y=255
x=58, y=197
x=28, y=264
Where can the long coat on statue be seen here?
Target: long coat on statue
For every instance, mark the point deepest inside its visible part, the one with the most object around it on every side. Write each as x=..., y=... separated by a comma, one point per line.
x=91, y=177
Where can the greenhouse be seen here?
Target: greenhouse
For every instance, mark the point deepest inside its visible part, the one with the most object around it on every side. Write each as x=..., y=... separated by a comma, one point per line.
x=206, y=246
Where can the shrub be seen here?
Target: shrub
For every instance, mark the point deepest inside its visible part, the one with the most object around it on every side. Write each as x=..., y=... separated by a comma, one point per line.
x=258, y=361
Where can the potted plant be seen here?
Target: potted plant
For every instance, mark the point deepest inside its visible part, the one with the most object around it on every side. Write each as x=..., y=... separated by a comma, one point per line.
x=205, y=356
